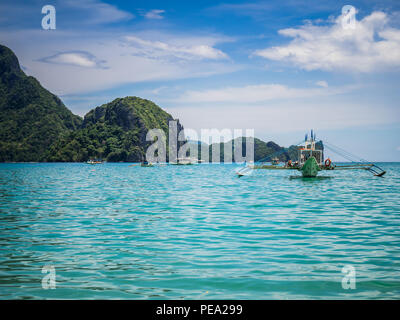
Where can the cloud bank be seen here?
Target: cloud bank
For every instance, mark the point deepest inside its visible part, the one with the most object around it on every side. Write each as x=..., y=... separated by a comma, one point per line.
x=257, y=93
x=372, y=46
x=157, y=49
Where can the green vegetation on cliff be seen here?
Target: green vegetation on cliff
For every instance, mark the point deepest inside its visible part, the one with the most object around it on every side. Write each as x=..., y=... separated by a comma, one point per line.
x=263, y=151
x=36, y=126
x=115, y=131
x=31, y=118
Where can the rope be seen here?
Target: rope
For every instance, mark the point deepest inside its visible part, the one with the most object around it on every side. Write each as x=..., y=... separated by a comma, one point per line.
x=340, y=153
x=351, y=157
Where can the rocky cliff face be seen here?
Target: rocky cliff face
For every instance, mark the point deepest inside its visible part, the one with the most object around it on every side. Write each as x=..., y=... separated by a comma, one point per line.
x=31, y=118
x=36, y=126
x=115, y=131
x=131, y=113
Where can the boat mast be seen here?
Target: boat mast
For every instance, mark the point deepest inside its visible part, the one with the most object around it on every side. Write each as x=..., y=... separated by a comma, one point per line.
x=309, y=149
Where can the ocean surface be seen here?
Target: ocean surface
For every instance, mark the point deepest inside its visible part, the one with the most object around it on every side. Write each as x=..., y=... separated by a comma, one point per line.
x=115, y=231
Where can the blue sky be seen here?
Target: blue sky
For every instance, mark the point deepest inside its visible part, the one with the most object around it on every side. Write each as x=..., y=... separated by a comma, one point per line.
x=278, y=67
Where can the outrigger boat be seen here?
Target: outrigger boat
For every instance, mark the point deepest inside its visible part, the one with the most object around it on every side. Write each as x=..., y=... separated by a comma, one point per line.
x=311, y=161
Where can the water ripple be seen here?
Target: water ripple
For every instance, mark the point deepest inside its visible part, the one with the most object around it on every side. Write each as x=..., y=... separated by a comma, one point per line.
x=114, y=231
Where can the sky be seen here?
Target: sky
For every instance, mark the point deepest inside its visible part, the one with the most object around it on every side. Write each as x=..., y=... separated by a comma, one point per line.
x=278, y=67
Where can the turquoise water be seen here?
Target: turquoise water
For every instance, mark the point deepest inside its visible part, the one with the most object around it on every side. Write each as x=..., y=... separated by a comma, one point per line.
x=196, y=232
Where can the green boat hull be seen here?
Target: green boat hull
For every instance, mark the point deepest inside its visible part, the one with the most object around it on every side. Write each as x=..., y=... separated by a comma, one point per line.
x=310, y=168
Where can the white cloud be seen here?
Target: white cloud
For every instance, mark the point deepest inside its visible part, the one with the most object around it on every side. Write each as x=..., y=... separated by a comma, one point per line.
x=75, y=58
x=256, y=93
x=95, y=11
x=110, y=59
x=157, y=91
x=157, y=49
x=154, y=14
x=71, y=14
x=283, y=117
x=372, y=46
x=278, y=108
x=322, y=84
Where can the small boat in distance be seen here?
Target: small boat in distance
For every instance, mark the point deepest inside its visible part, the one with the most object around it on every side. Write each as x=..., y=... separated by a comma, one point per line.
x=146, y=164
x=94, y=161
x=275, y=161
x=185, y=161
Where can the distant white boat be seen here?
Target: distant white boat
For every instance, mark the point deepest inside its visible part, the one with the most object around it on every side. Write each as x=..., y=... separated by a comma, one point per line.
x=186, y=161
x=91, y=161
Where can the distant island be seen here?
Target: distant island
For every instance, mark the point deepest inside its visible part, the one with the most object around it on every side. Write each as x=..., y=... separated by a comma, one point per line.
x=35, y=125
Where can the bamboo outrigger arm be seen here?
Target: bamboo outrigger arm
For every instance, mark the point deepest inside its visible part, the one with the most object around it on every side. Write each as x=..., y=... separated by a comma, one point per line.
x=272, y=167
x=373, y=168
